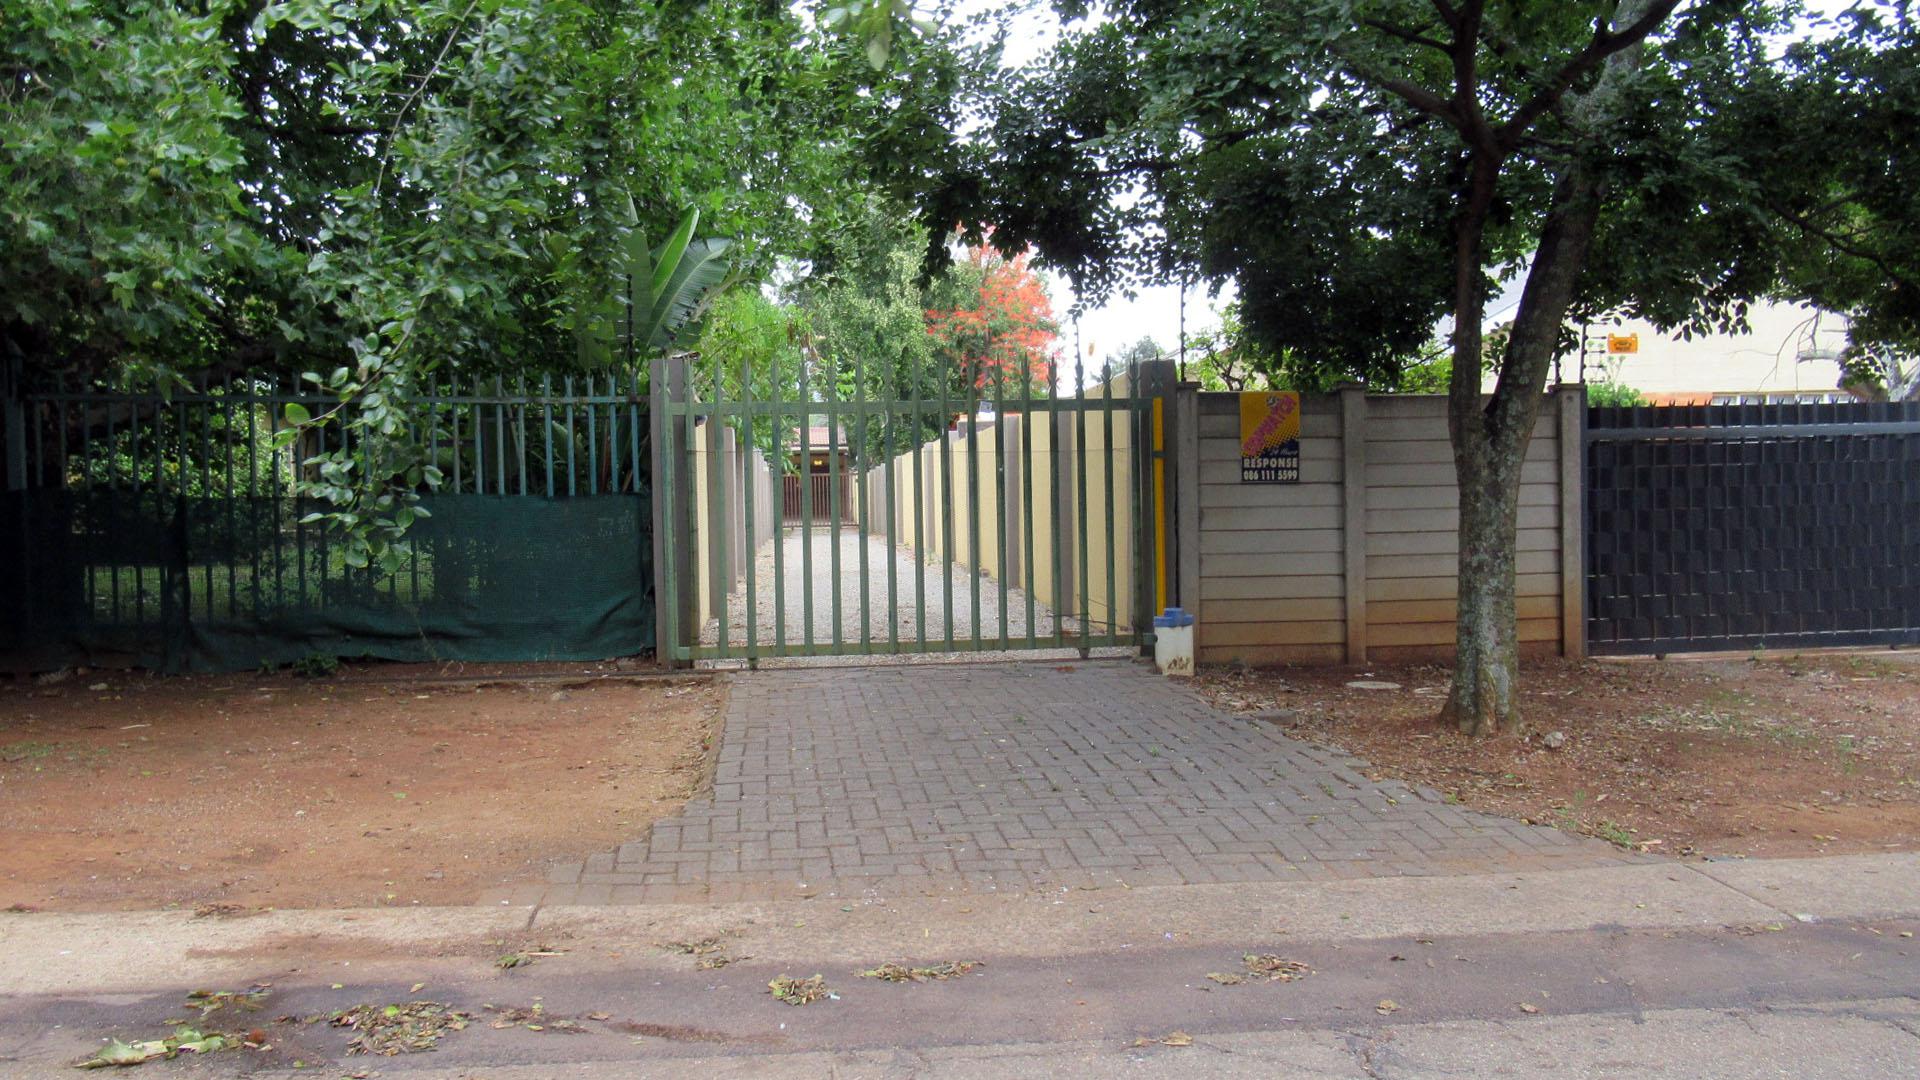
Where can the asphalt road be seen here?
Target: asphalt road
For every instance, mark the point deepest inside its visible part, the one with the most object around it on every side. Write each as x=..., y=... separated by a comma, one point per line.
x=1837, y=999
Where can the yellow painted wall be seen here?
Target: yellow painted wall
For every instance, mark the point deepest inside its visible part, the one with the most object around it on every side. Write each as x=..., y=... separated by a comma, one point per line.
x=943, y=498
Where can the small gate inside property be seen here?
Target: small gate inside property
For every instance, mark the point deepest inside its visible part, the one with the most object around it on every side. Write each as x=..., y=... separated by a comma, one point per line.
x=909, y=512
x=168, y=530
x=1749, y=526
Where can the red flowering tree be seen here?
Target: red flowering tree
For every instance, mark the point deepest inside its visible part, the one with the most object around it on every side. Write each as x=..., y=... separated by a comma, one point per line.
x=993, y=323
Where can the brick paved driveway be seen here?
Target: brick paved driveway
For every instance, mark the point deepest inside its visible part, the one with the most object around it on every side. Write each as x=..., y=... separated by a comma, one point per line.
x=903, y=780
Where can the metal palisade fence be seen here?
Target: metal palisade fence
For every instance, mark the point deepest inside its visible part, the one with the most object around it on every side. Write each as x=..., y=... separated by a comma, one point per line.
x=861, y=512
x=168, y=529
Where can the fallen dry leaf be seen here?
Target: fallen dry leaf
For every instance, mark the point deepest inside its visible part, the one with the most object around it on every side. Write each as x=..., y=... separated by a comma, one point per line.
x=1274, y=968
x=891, y=972
x=1171, y=1038
x=799, y=991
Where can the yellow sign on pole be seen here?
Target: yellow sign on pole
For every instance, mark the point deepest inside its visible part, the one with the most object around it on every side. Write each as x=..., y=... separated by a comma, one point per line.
x=1270, y=437
x=1618, y=344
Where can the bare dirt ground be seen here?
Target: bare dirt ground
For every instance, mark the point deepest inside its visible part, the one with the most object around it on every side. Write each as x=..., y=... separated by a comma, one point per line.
x=396, y=787
x=1765, y=756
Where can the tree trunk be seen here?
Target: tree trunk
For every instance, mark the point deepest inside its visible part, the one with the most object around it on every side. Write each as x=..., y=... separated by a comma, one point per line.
x=1481, y=700
x=1487, y=665
x=1490, y=439
x=1490, y=446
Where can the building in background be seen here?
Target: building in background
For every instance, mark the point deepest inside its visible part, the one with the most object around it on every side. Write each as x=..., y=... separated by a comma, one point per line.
x=1790, y=352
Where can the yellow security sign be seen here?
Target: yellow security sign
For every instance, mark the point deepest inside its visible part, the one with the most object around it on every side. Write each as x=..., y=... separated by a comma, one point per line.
x=1270, y=437
x=1618, y=344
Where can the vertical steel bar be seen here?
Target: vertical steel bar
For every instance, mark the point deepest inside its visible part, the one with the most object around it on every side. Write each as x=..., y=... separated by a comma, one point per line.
x=413, y=546
x=499, y=436
x=671, y=549
x=226, y=438
x=860, y=483
x=479, y=440
x=806, y=506
x=184, y=601
x=593, y=438
x=1030, y=577
x=567, y=414
x=891, y=488
x=253, y=488
x=921, y=501
x=520, y=438
x=113, y=514
x=546, y=425
x=139, y=506
x=1062, y=524
x=836, y=450
x=1112, y=457
x=1080, y=490
x=453, y=410
x=634, y=472
x=778, y=526
x=613, y=432
x=1000, y=493
x=946, y=505
x=198, y=506
x=294, y=470
x=749, y=450
x=719, y=503
x=974, y=562
x=692, y=628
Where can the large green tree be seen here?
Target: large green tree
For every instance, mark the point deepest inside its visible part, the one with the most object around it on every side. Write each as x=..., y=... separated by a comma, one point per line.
x=1362, y=169
x=387, y=192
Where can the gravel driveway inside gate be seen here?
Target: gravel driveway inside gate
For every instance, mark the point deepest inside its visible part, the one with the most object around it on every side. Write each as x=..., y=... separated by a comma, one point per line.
x=908, y=780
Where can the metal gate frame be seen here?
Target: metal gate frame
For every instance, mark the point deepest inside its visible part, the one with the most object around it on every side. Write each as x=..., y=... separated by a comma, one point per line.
x=681, y=416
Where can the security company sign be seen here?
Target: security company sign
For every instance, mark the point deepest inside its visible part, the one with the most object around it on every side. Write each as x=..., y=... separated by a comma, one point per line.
x=1270, y=437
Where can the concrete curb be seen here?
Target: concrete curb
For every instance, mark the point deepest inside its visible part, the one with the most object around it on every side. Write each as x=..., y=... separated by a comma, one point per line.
x=130, y=952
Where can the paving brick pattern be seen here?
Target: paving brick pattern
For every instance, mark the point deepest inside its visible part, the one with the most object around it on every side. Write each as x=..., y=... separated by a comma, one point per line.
x=908, y=780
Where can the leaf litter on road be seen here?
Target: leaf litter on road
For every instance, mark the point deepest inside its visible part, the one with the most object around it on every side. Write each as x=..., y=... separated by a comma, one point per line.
x=534, y=1018
x=709, y=954
x=1272, y=968
x=892, y=972
x=401, y=1028
x=801, y=991
x=212, y=1001
x=184, y=1040
x=1171, y=1038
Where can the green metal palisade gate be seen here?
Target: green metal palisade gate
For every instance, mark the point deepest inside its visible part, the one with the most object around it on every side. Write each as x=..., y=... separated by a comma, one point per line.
x=903, y=454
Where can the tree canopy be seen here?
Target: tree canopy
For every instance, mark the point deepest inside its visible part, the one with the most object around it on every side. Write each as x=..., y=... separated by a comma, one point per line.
x=1360, y=168
x=369, y=194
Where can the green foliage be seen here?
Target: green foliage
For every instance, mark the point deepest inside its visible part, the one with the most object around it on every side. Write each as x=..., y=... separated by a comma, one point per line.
x=751, y=347
x=118, y=185
x=1227, y=358
x=1614, y=393
x=868, y=303
x=658, y=295
x=315, y=666
x=378, y=194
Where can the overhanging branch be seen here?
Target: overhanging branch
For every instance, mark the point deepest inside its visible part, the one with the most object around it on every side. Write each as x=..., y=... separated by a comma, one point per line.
x=1605, y=43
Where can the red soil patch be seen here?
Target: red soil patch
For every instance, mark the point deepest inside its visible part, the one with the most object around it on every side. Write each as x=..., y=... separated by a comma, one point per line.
x=1778, y=756
x=237, y=792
